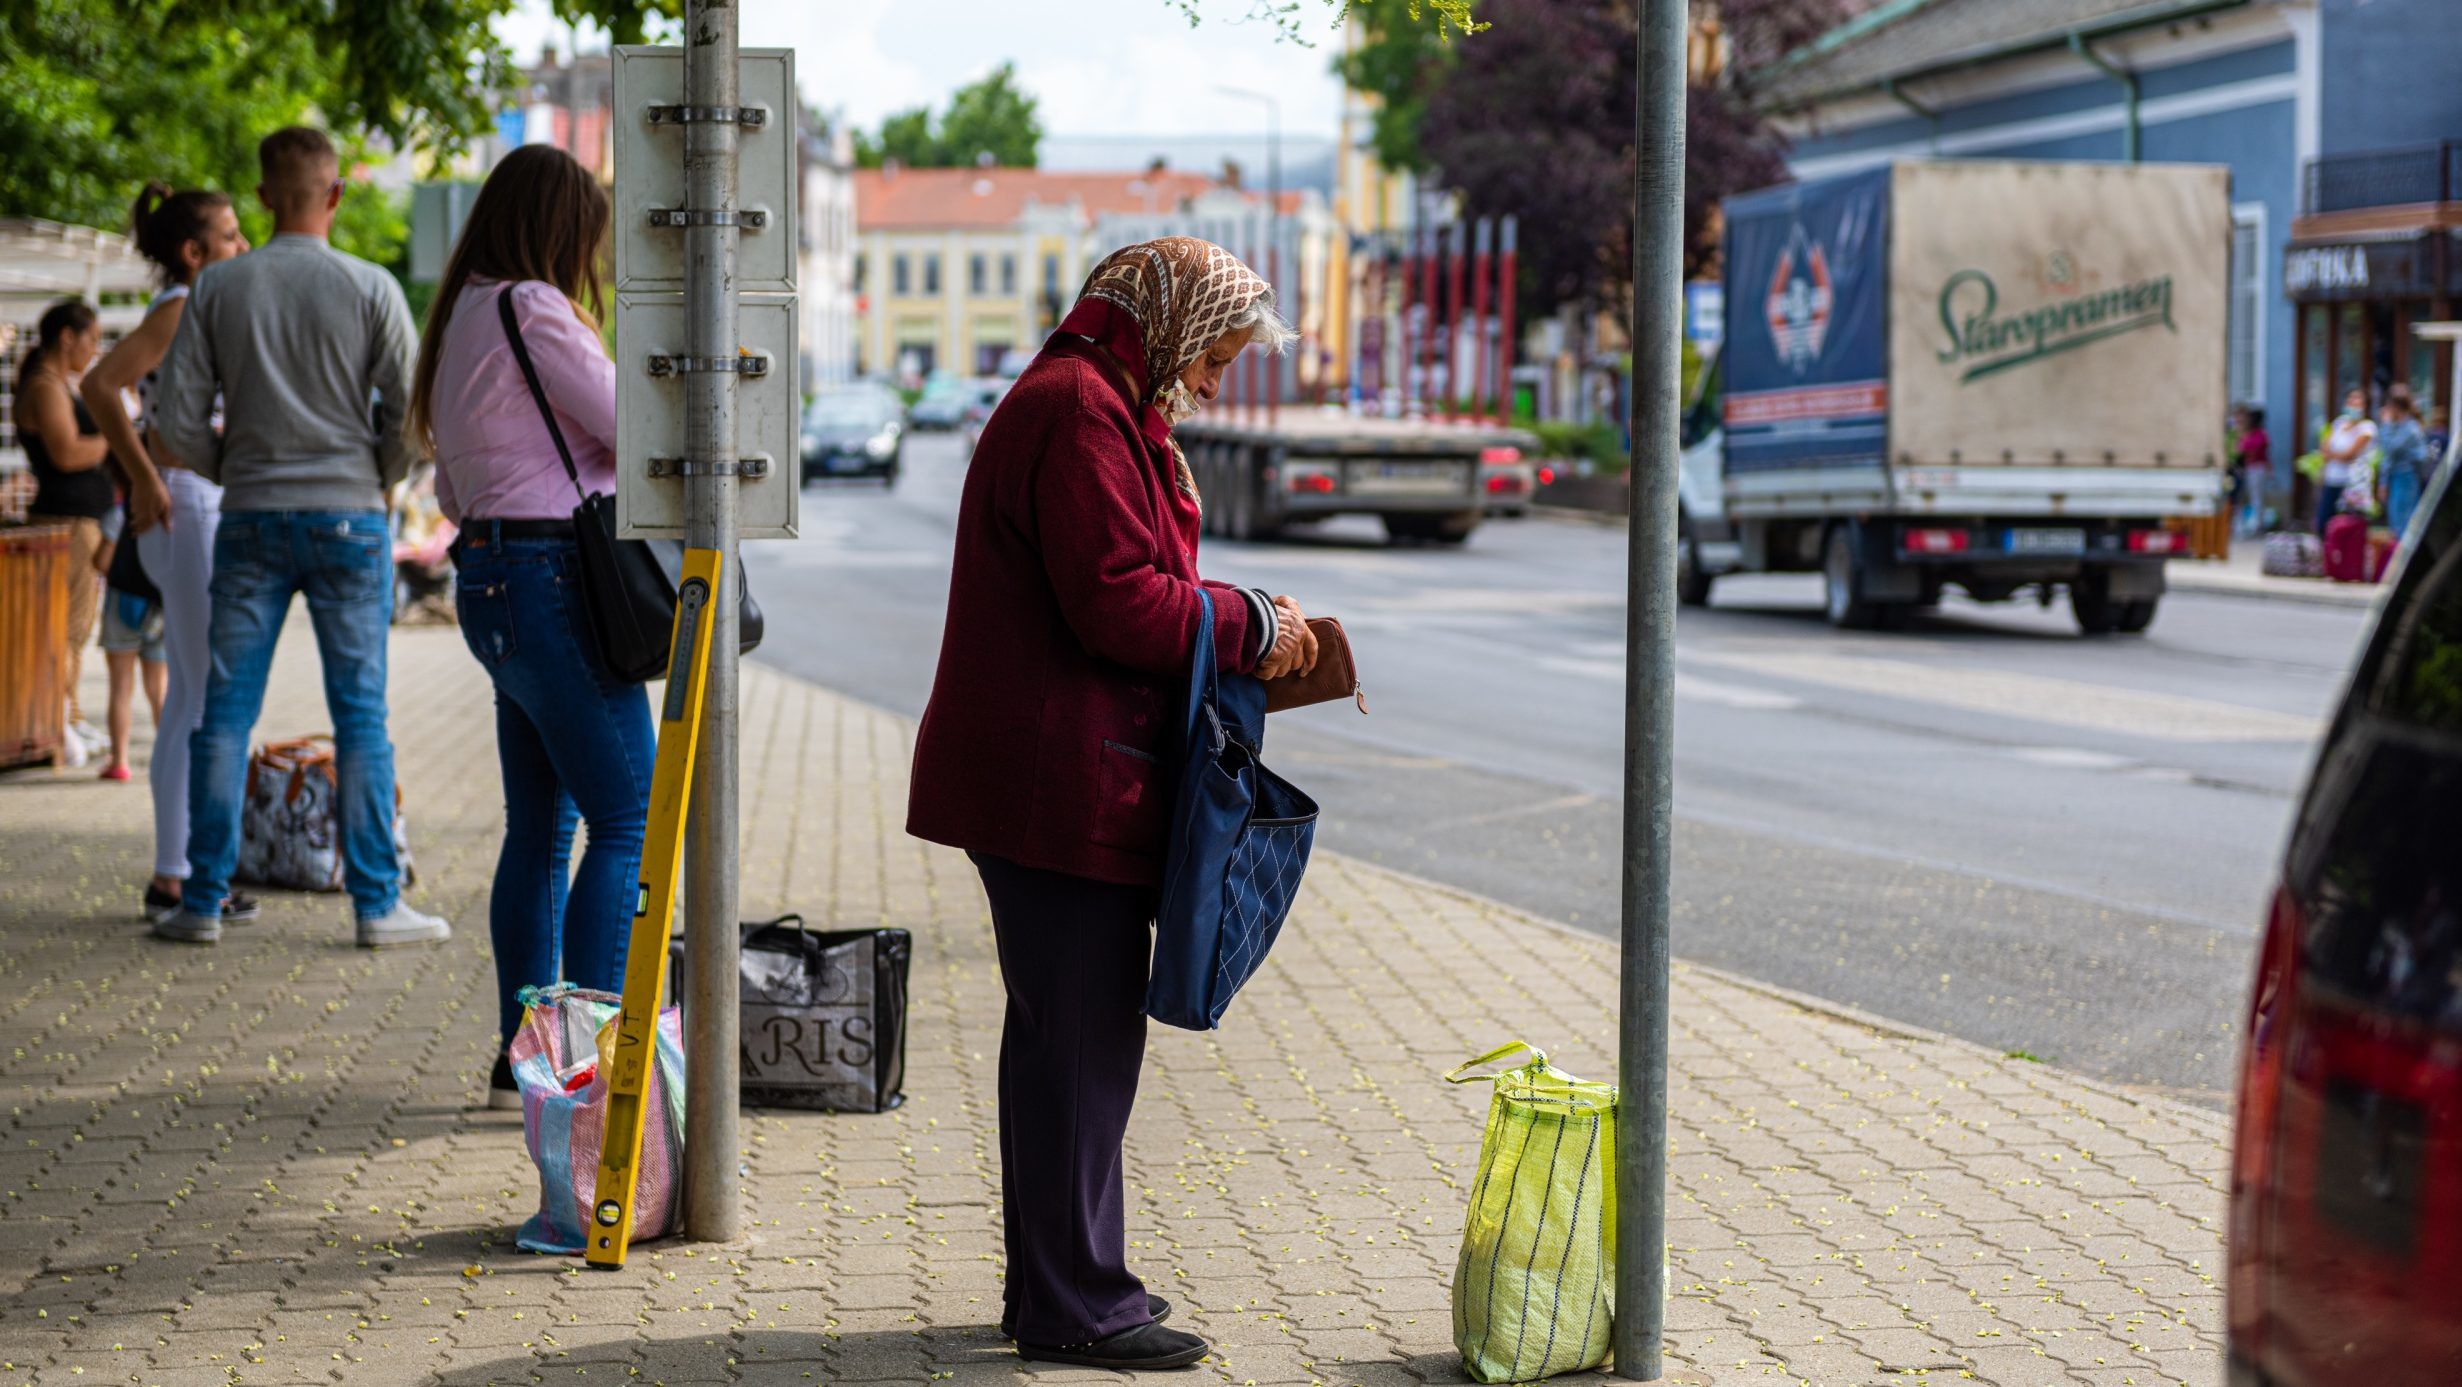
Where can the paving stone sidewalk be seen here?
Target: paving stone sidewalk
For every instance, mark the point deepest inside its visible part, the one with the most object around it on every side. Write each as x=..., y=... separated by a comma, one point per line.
x=260, y=1162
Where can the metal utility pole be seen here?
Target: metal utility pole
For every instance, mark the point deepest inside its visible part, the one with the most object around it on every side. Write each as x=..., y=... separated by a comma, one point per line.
x=1649, y=716
x=712, y=1189
x=1271, y=371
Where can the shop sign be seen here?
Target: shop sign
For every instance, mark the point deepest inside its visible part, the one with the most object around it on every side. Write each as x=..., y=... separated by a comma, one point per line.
x=2360, y=270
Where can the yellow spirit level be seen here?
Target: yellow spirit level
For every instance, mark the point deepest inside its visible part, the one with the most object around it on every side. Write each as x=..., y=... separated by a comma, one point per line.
x=645, y=960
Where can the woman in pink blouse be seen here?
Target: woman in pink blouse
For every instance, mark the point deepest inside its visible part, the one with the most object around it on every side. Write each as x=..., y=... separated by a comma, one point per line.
x=575, y=742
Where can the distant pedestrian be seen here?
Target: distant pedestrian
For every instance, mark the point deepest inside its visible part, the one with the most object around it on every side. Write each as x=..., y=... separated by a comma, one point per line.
x=2407, y=465
x=574, y=741
x=2255, y=471
x=310, y=349
x=1073, y=607
x=66, y=452
x=132, y=640
x=2350, y=443
x=172, y=511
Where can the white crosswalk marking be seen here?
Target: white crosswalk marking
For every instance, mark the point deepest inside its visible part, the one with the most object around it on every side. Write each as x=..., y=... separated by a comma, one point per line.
x=2034, y=697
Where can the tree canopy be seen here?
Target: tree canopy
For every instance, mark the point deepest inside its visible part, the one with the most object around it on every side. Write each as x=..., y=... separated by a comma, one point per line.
x=97, y=96
x=1535, y=119
x=992, y=118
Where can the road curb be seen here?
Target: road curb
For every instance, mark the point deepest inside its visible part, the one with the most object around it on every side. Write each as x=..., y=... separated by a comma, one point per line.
x=2349, y=597
x=2207, y=1119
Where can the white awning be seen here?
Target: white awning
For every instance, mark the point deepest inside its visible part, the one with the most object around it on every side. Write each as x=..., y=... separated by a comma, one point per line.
x=52, y=260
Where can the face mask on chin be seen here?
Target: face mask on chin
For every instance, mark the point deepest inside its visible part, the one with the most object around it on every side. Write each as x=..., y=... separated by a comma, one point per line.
x=1177, y=403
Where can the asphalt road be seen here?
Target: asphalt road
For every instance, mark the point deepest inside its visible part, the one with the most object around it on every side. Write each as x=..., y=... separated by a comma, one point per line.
x=1986, y=825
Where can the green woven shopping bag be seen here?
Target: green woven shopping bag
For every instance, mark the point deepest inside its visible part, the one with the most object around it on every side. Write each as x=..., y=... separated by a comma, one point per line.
x=1533, y=1289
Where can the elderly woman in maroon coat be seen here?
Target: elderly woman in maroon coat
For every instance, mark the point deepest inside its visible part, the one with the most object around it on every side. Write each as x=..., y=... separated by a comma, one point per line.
x=1073, y=608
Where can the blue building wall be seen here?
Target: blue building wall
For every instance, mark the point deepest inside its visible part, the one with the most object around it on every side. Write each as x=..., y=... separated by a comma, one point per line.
x=2256, y=142
x=2390, y=74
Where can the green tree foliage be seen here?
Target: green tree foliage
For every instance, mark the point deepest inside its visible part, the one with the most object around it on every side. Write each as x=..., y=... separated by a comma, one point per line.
x=97, y=96
x=1400, y=59
x=1535, y=119
x=992, y=116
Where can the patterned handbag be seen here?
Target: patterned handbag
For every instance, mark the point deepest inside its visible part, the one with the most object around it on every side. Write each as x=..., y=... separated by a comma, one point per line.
x=290, y=830
x=1240, y=837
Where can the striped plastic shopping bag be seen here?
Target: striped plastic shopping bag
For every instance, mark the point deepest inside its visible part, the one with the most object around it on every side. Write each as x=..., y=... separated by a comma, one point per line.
x=559, y=1062
x=1532, y=1291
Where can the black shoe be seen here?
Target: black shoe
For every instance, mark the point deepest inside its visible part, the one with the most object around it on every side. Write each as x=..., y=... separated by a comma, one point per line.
x=1157, y=1310
x=1138, y=1347
x=238, y=908
x=503, y=1094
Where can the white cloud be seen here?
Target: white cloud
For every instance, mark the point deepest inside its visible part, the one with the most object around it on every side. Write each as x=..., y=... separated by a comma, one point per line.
x=1100, y=67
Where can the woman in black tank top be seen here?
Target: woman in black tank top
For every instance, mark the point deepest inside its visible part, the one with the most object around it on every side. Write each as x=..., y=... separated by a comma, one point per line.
x=66, y=453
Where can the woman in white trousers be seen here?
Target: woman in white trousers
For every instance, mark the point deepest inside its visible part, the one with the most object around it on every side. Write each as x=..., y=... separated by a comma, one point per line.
x=172, y=512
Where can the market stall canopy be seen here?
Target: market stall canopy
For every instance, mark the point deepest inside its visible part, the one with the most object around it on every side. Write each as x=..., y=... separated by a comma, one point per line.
x=50, y=260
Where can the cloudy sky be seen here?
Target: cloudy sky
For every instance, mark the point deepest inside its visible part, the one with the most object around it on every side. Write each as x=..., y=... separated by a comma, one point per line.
x=1101, y=67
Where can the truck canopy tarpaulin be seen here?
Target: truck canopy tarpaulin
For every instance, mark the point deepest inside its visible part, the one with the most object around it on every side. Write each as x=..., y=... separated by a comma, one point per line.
x=2058, y=314
x=1806, y=331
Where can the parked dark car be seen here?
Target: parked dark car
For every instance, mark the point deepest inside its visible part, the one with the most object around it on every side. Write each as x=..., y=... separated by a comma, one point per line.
x=2345, y=1255
x=859, y=432
x=944, y=402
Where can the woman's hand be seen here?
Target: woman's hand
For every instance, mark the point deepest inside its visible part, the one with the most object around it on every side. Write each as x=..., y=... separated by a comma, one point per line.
x=149, y=502
x=1294, y=650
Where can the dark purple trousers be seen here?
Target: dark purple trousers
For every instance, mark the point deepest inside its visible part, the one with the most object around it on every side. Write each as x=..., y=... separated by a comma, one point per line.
x=1073, y=957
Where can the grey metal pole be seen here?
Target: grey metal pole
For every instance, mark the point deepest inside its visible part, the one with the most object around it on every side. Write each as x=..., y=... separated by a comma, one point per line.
x=712, y=1188
x=1649, y=718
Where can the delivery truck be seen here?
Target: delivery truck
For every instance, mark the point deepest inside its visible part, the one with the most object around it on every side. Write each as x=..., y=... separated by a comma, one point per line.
x=1996, y=376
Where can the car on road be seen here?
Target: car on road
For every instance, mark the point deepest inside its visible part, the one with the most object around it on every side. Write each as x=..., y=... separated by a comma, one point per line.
x=2345, y=1237
x=945, y=401
x=856, y=432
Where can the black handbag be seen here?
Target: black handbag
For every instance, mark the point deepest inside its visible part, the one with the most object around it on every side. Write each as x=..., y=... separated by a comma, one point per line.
x=822, y=1020
x=627, y=585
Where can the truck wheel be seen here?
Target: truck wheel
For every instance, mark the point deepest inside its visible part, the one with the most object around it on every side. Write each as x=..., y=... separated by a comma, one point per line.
x=2090, y=601
x=1692, y=584
x=1239, y=501
x=2138, y=614
x=1842, y=583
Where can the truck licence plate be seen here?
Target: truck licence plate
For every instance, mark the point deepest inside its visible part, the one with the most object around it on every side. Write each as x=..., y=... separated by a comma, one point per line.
x=2047, y=541
x=1415, y=478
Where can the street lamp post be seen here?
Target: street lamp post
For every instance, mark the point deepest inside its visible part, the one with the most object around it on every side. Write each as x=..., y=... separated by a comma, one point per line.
x=1649, y=718
x=1273, y=213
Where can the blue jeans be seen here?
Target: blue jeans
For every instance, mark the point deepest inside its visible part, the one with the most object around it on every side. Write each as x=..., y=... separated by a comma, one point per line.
x=576, y=743
x=343, y=561
x=2402, y=492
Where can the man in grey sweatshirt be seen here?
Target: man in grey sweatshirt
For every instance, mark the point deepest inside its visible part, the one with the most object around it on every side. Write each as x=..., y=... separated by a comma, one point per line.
x=310, y=352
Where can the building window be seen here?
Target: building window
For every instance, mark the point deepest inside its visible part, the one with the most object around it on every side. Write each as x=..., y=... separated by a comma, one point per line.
x=1008, y=274
x=975, y=275
x=2248, y=286
x=931, y=275
x=860, y=261
x=1051, y=274
x=898, y=278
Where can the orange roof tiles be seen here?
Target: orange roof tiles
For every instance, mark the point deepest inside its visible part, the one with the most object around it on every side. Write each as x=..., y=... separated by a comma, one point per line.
x=984, y=199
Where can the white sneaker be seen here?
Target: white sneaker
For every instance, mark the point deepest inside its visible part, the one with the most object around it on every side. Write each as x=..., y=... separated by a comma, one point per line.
x=403, y=926
x=73, y=748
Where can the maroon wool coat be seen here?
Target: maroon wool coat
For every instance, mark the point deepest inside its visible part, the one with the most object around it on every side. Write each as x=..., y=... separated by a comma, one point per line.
x=1072, y=609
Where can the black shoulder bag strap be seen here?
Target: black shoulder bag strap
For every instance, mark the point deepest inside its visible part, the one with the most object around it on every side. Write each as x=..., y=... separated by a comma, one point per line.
x=538, y=392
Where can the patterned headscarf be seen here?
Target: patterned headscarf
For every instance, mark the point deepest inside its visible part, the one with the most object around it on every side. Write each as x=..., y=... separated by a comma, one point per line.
x=1182, y=293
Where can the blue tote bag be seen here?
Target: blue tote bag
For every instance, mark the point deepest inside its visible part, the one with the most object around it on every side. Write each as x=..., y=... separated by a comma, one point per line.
x=1240, y=836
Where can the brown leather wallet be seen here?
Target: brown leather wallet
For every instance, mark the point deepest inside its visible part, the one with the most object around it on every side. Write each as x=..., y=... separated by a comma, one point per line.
x=1334, y=676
